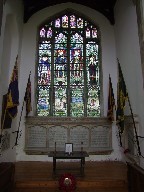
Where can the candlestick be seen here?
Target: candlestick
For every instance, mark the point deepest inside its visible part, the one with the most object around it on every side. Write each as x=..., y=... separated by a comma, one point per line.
x=55, y=147
x=81, y=146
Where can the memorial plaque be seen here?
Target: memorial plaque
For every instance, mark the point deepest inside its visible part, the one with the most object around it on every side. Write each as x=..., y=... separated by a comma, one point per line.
x=36, y=137
x=79, y=136
x=43, y=134
x=58, y=135
x=100, y=137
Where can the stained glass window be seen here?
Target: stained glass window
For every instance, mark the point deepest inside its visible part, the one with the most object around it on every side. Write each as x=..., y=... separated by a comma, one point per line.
x=68, y=82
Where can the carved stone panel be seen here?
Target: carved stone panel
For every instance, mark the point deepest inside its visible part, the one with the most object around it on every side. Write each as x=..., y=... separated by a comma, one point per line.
x=100, y=137
x=57, y=135
x=36, y=136
x=48, y=134
x=79, y=136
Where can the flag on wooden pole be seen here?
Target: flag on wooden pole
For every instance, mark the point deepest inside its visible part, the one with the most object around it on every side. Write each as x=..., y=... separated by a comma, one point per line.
x=122, y=96
x=13, y=92
x=27, y=97
x=111, y=102
x=6, y=120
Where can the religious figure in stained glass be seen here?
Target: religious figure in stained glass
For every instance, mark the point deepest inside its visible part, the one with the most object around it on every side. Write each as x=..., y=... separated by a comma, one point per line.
x=49, y=32
x=92, y=69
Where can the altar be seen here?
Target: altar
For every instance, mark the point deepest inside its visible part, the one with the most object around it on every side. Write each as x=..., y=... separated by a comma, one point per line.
x=74, y=155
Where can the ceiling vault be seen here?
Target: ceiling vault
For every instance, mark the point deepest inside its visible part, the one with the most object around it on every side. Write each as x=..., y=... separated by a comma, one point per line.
x=106, y=7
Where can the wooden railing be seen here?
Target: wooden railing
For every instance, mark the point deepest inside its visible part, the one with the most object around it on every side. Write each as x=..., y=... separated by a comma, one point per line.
x=135, y=178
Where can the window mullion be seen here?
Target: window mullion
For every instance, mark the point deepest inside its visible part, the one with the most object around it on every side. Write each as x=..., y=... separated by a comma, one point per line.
x=52, y=88
x=85, y=76
x=68, y=74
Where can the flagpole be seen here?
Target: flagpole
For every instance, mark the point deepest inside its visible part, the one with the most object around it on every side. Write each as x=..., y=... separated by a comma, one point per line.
x=120, y=138
x=17, y=132
x=126, y=95
x=134, y=127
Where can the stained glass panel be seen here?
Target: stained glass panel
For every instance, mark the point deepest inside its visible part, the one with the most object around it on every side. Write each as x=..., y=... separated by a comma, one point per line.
x=72, y=21
x=76, y=67
x=93, y=104
x=57, y=23
x=43, y=32
x=43, y=105
x=45, y=45
x=44, y=75
x=92, y=63
x=44, y=67
x=68, y=68
x=60, y=38
x=94, y=33
x=65, y=21
x=76, y=38
x=60, y=60
x=77, y=103
x=60, y=108
x=49, y=32
x=60, y=73
x=88, y=33
x=80, y=23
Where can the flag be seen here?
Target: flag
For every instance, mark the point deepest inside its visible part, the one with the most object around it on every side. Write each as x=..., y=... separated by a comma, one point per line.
x=111, y=102
x=27, y=97
x=13, y=92
x=122, y=96
x=5, y=118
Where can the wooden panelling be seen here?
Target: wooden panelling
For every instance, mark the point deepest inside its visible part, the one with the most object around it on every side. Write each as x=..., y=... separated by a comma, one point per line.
x=7, y=170
x=135, y=178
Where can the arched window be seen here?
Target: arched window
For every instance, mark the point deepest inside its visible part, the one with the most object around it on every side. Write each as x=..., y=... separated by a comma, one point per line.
x=68, y=68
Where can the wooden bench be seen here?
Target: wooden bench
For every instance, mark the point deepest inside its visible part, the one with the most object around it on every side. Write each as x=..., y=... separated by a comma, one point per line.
x=7, y=171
